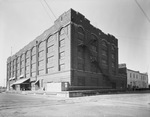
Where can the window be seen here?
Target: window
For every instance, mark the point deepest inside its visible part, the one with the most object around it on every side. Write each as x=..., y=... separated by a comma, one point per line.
x=62, y=43
x=104, y=43
x=50, y=49
x=130, y=75
x=33, y=74
x=22, y=63
x=41, y=46
x=27, y=61
x=18, y=71
x=112, y=56
x=112, y=48
x=41, y=64
x=94, y=46
x=133, y=75
x=80, y=64
x=94, y=43
x=50, y=69
x=80, y=34
x=61, y=67
x=27, y=75
x=80, y=52
x=33, y=58
x=50, y=59
x=113, y=64
x=33, y=51
x=33, y=66
x=104, y=53
x=62, y=31
x=41, y=72
x=62, y=55
x=41, y=54
x=27, y=68
x=104, y=62
x=93, y=67
x=27, y=54
x=21, y=70
x=50, y=40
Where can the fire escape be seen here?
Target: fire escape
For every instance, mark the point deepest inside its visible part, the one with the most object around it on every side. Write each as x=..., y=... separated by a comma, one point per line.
x=93, y=58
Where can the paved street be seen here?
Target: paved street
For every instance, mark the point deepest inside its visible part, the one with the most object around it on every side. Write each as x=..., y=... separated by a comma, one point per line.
x=120, y=105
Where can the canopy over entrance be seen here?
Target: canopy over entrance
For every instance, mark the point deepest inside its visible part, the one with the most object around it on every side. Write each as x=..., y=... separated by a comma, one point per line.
x=21, y=81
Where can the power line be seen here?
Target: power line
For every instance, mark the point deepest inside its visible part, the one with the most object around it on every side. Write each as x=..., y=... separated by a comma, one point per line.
x=55, y=17
x=142, y=10
x=46, y=11
x=50, y=9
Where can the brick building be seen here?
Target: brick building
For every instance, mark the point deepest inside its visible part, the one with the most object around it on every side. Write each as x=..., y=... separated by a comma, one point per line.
x=72, y=54
x=135, y=79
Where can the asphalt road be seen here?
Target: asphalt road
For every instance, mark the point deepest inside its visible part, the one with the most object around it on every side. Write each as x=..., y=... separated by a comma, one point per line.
x=120, y=105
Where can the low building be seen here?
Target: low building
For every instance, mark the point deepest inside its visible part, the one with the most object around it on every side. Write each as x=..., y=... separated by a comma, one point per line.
x=70, y=55
x=135, y=79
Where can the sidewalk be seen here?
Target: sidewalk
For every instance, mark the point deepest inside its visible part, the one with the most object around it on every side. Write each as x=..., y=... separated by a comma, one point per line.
x=77, y=93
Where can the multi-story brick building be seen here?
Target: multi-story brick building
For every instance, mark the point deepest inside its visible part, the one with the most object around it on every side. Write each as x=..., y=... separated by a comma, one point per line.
x=135, y=79
x=71, y=54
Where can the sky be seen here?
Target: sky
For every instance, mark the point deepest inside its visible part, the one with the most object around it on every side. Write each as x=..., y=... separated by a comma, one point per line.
x=21, y=21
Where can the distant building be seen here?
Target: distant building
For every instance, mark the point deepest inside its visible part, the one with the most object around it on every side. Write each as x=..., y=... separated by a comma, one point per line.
x=70, y=55
x=135, y=79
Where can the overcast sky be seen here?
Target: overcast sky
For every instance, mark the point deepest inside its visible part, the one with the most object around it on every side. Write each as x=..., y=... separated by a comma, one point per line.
x=21, y=21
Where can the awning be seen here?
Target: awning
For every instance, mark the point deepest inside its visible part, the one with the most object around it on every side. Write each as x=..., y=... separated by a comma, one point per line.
x=11, y=85
x=10, y=78
x=21, y=76
x=20, y=81
x=36, y=81
x=13, y=78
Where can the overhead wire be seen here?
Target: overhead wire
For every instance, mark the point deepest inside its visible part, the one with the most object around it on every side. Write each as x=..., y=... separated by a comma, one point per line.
x=55, y=17
x=142, y=10
x=49, y=8
x=46, y=10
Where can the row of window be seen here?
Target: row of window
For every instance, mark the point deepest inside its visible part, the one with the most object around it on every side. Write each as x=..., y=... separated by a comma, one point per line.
x=132, y=75
x=62, y=50
x=50, y=56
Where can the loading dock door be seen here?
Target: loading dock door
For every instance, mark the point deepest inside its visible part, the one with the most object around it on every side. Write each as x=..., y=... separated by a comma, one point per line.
x=54, y=87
